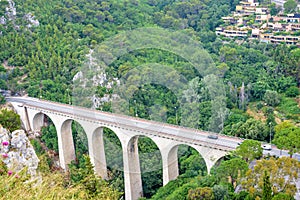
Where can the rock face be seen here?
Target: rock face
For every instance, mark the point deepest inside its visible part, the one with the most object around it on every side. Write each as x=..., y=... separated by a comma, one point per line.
x=17, y=151
x=91, y=76
x=11, y=15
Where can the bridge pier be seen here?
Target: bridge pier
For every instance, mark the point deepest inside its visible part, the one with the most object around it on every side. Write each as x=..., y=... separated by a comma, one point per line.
x=97, y=152
x=65, y=143
x=132, y=171
x=168, y=150
x=170, y=165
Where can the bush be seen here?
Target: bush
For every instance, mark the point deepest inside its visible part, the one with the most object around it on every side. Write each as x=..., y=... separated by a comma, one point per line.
x=37, y=147
x=272, y=98
x=259, y=105
x=282, y=196
x=10, y=120
x=292, y=92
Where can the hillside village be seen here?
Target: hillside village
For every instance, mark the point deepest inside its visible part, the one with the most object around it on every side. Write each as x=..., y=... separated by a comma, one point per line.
x=265, y=22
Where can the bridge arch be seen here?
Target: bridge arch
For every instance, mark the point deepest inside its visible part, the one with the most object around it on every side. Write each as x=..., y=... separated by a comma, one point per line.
x=174, y=155
x=74, y=140
x=40, y=120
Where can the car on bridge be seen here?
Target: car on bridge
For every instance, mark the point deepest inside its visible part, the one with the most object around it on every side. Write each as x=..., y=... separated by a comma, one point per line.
x=267, y=147
x=213, y=137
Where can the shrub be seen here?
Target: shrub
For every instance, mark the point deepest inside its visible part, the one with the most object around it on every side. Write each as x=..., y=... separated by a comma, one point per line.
x=272, y=98
x=292, y=92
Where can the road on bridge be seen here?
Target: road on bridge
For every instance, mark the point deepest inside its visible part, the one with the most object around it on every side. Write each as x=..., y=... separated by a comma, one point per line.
x=162, y=129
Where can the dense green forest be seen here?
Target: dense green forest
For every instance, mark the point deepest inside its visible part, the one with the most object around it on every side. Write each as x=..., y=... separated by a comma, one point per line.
x=261, y=82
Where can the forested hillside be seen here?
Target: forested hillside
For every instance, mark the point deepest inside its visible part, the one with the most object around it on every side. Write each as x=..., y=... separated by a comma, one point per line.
x=44, y=44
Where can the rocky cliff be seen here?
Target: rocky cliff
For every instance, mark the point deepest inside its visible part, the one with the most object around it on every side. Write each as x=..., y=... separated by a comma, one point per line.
x=17, y=151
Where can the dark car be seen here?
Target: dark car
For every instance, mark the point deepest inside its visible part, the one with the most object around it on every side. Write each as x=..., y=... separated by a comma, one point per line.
x=213, y=137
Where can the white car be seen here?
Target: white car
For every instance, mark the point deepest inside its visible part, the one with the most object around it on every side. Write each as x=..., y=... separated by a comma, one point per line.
x=267, y=147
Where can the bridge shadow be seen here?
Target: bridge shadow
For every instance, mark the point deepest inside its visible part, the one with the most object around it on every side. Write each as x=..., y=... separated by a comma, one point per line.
x=114, y=158
x=45, y=129
x=80, y=141
x=151, y=166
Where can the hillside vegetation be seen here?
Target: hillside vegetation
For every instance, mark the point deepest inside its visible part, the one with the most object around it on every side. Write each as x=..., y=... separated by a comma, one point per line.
x=261, y=82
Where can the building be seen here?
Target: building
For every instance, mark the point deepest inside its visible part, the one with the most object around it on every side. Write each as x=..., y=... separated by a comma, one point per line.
x=261, y=11
x=267, y=28
x=229, y=20
x=292, y=18
x=262, y=18
x=288, y=39
x=231, y=33
x=295, y=27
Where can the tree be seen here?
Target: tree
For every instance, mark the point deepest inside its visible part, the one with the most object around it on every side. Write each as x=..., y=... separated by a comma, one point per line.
x=93, y=185
x=290, y=6
x=249, y=150
x=267, y=190
x=273, y=9
x=251, y=129
x=2, y=99
x=259, y=88
x=49, y=136
x=272, y=98
x=283, y=174
x=293, y=91
x=10, y=120
x=204, y=193
x=220, y=192
x=287, y=136
x=231, y=170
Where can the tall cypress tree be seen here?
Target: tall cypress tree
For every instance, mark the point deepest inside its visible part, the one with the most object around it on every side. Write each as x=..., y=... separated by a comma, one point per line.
x=267, y=189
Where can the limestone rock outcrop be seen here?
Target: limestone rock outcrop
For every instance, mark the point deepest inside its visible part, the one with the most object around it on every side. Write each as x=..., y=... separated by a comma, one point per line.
x=17, y=151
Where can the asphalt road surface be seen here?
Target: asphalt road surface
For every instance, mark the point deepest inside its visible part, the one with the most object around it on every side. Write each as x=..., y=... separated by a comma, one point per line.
x=160, y=129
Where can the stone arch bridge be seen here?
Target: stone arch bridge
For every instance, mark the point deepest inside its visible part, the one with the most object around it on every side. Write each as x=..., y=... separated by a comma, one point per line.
x=167, y=138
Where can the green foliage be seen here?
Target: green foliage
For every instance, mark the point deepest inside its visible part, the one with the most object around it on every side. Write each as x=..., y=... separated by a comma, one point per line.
x=289, y=107
x=231, y=170
x=151, y=166
x=292, y=91
x=201, y=193
x=93, y=185
x=249, y=150
x=80, y=140
x=283, y=196
x=53, y=185
x=191, y=164
x=10, y=120
x=273, y=9
x=267, y=187
x=114, y=159
x=278, y=168
x=287, y=136
x=251, y=129
x=242, y=195
x=236, y=116
x=37, y=147
x=2, y=99
x=49, y=137
x=168, y=189
x=43, y=61
x=290, y=6
x=272, y=98
x=220, y=192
